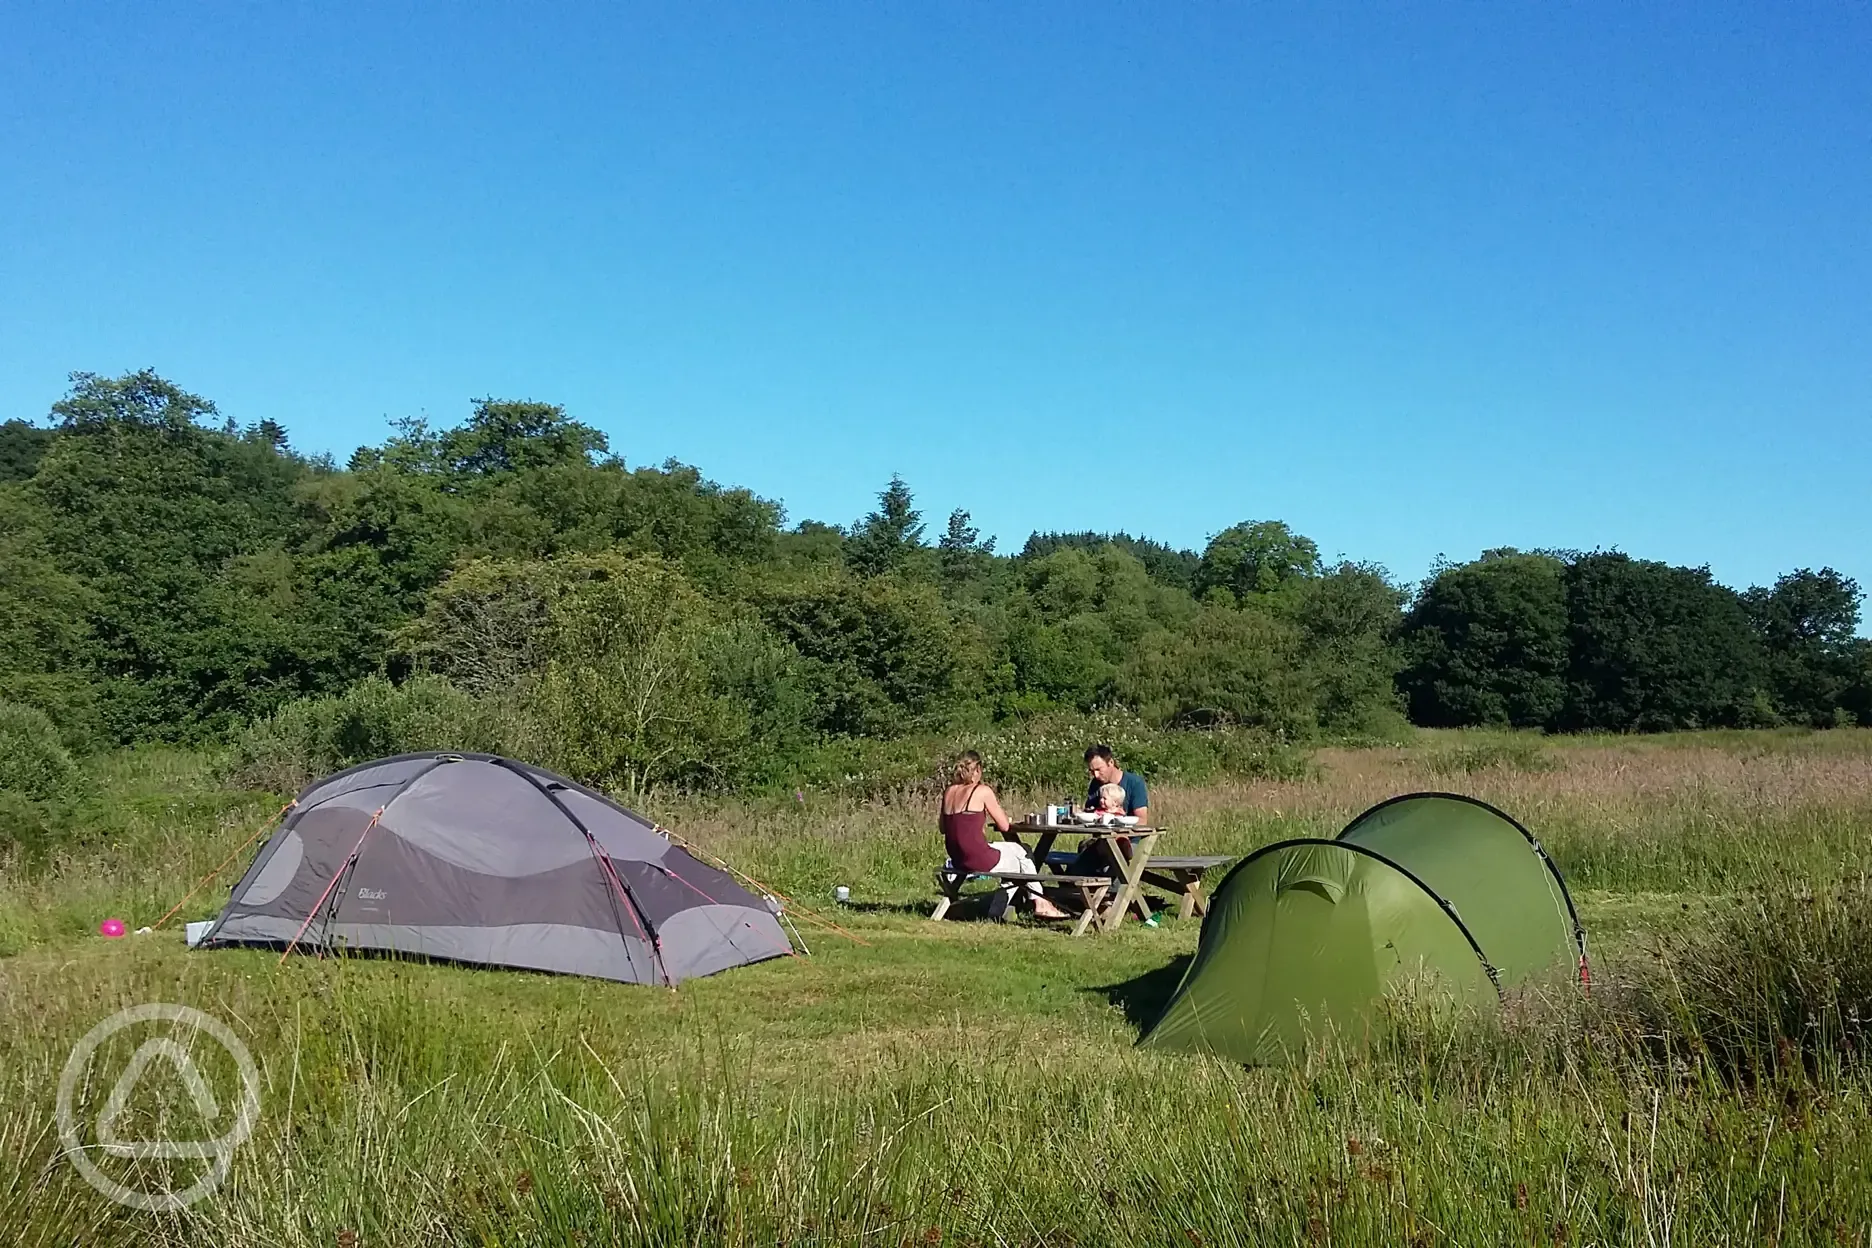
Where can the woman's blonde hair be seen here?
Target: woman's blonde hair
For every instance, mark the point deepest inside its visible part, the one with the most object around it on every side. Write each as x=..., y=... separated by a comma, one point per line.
x=968, y=768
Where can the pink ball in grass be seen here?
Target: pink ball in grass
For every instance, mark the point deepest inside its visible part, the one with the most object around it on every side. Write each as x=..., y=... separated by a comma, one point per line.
x=113, y=928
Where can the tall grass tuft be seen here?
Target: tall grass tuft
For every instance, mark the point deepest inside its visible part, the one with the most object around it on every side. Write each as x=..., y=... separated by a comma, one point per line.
x=1518, y=754
x=1778, y=984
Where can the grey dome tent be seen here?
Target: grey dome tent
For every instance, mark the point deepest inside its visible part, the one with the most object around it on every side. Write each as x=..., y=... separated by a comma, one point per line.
x=483, y=860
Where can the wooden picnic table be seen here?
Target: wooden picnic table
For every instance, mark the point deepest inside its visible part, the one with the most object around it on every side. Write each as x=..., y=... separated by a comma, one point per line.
x=1103, y=899
x=1130, y=867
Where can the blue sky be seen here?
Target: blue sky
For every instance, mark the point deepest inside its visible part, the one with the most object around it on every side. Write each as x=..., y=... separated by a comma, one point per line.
x=1416, y=279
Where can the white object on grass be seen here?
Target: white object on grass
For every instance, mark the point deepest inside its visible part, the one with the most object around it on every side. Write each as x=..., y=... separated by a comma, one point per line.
x=192, y=933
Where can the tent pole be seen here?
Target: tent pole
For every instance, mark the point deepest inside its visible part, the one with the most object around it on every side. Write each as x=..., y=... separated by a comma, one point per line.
x=350, y=858
x=604, y=866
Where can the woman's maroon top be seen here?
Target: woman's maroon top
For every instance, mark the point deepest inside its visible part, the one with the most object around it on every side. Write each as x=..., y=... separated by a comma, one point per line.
x=965, y=835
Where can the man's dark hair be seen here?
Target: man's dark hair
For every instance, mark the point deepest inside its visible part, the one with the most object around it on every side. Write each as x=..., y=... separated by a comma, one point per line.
x=1098, y=751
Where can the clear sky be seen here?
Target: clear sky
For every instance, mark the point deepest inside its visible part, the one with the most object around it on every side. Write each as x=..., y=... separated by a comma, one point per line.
x=1414, y=278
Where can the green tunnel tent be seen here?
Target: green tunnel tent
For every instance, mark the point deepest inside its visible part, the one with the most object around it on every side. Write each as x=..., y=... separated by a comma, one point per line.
x=1306, y=935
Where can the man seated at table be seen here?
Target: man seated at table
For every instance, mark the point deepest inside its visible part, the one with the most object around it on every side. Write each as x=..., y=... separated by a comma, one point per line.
x=1101, y=771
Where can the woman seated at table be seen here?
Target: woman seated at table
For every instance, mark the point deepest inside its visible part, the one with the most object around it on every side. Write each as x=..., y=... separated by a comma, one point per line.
x=967, y=806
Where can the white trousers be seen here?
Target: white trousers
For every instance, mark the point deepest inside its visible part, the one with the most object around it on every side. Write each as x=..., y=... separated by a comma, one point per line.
x=1014, y=857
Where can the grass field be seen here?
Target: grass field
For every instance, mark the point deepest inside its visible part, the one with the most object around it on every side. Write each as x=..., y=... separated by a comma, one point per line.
x=975, y=1083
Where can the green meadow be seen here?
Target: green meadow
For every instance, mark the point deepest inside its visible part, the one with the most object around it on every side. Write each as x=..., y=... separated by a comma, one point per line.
x=969, y=1082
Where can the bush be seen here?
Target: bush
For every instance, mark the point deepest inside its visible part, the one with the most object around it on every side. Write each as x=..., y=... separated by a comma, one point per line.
x=1230, y=667
x=628, y=692
x=1042, y=755
x=25, y=825
x=313, y=737
x=33, y=765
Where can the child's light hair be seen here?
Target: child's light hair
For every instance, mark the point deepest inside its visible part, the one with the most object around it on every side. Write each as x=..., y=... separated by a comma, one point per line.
x=1112, y=798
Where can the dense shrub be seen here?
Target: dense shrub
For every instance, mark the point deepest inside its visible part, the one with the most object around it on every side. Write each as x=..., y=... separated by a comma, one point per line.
x=881, y=656
x=628, y=697
x=26, y=827
x=1040, y=755
x=1486, y=643
x=1230, y=667
x=315, y=736
x=34, y=766
x=1653, y=647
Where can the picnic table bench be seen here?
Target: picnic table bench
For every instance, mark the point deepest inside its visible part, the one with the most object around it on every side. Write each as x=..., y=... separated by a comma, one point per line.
x=1092, y=889
x=1183, y=877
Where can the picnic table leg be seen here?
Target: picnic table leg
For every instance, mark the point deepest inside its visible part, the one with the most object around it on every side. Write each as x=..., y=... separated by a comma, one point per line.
x=1042, y=848
x=1092, y=896
x=950, y=884
x=1130, y=871
x=1193, y=901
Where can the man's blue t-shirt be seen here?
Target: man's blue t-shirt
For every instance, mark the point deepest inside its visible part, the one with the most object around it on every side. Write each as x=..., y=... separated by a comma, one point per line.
x=1136, y=795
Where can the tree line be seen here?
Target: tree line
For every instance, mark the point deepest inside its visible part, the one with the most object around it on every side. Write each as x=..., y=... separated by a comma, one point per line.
x=172, y=575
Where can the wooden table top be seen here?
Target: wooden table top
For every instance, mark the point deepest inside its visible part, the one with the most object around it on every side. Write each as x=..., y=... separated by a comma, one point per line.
x=1083, y=829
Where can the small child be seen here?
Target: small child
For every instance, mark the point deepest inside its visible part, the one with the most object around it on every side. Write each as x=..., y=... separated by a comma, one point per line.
x=1112, y=799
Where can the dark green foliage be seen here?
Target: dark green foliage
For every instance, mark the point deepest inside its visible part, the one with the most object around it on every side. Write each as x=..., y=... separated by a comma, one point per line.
x=1056, y=665
x=170, y=574
x=39, y=782
x=44, y=615
x=1606, y=642
x=149, y=511
x=812, y=542
x=1229, y=667
x=1486, y=643
x=498, y=439
x=1856, y=697
x=316, y=736
x=1349, y=618
x=961, y=548
x=1654, y=647
x=21, y=447
x=1808, y=624
x=140, y=399
x=881, y=657
x=886, y=539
